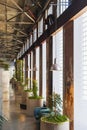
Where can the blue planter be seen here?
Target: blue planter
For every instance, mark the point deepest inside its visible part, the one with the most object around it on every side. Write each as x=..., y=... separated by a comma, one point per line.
x=40, y=111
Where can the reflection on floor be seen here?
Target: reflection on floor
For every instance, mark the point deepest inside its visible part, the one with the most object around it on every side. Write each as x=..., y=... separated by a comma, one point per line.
x=17, y=118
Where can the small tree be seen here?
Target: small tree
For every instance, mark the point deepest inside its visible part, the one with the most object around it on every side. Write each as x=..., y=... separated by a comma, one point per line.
x=35, y=88
x=55, y=103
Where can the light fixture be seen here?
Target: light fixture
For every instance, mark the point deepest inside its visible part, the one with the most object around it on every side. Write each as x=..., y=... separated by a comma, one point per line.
x=55, y=66
x=35, y=68
x=28, y=69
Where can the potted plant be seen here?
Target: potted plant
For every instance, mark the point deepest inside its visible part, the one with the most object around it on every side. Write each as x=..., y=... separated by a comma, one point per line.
x=34, y=100
x=24, y=94
x=4, y=64
x=2, y=119
x=55, y=120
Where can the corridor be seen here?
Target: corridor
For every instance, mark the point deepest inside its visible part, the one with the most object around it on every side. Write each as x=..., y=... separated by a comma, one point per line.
x=17, y=119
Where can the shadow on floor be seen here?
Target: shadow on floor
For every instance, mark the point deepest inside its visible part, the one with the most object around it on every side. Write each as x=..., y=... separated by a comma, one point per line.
x=17, y=118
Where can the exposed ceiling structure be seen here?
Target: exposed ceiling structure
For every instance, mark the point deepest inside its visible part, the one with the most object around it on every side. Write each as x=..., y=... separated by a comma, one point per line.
x=16, y=19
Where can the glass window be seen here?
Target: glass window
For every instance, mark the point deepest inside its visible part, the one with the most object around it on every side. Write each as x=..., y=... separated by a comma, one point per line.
x=80, y=72
x=30, y=40
x=62, y=5
x=50, y=10
x=31, y=68
x=58, y=54
x=44, y=70
x=47, y=12
x=27, y=43
x=24, y=69
x=37, y=65
x=28, y=70
x=35, y=34
x=40, y=27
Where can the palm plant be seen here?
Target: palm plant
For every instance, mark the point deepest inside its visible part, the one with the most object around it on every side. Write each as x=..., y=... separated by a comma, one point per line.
x=2, y=119
x=55, y=104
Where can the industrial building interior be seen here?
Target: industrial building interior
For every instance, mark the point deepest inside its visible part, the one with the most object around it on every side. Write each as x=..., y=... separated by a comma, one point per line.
x=42, y=43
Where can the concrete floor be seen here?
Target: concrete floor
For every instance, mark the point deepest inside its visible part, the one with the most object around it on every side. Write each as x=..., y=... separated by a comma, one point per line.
x=17, y=118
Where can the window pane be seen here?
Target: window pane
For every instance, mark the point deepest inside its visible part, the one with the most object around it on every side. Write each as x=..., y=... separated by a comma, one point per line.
x=58, y=54
x=44, y=70
x=37, y=65
x=80, y=72
x=62, y=5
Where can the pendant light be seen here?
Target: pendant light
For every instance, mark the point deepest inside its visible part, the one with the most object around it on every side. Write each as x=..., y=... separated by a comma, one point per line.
x=35, y=68
x=54, y=66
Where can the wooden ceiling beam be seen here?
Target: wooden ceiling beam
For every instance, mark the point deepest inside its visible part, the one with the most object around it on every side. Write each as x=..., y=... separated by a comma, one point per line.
x=16, y=22
x=8, y=6
x=22, y=11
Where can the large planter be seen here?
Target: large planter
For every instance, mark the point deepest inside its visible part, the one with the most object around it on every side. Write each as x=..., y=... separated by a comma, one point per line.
x=32, y=104
x=51, y=126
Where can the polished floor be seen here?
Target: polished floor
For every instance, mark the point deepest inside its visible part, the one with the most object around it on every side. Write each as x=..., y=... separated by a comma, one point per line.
x=17, y=119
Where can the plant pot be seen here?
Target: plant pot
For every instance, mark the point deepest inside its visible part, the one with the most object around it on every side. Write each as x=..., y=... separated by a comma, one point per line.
x=52, y=126
x=32, y=104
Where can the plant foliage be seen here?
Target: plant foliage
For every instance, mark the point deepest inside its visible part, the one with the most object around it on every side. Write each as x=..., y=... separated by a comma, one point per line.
x=55, y=116
x=2, y=119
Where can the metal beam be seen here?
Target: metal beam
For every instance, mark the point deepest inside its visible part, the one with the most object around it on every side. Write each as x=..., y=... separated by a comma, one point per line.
x=8, y=6
x=20, y=31
x=15, y=22
x=22, y=11
x=14, y=17
x=17, y=40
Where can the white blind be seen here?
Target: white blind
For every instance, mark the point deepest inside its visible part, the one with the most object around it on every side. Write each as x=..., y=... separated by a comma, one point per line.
x=58, y=53
x=28, y=70
x=37, y=65
x=40, y=27
x=34, y=34
x=62, y=5
x=80, y=72
x=84, y=55
x=44, y=70
x=31, y=68
x=30, y=40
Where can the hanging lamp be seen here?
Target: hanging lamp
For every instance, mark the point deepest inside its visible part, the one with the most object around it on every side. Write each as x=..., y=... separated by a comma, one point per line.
x=55, y=66
x=35, y=68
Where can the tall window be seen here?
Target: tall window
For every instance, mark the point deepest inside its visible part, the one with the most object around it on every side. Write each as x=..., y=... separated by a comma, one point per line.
x=80, y=72
x=44, y=70
x=24, y=69
x=27, y=43
x=34, y=34
x=40, y=27
x=58, y=53
x=50, y=10
x=28, y=70
x=37, y=64
x=31, y=67
x=62, y=5
x=47, y=12
x=30, y=40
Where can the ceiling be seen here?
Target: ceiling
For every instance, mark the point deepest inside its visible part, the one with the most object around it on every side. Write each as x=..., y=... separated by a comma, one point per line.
x=16, y=19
